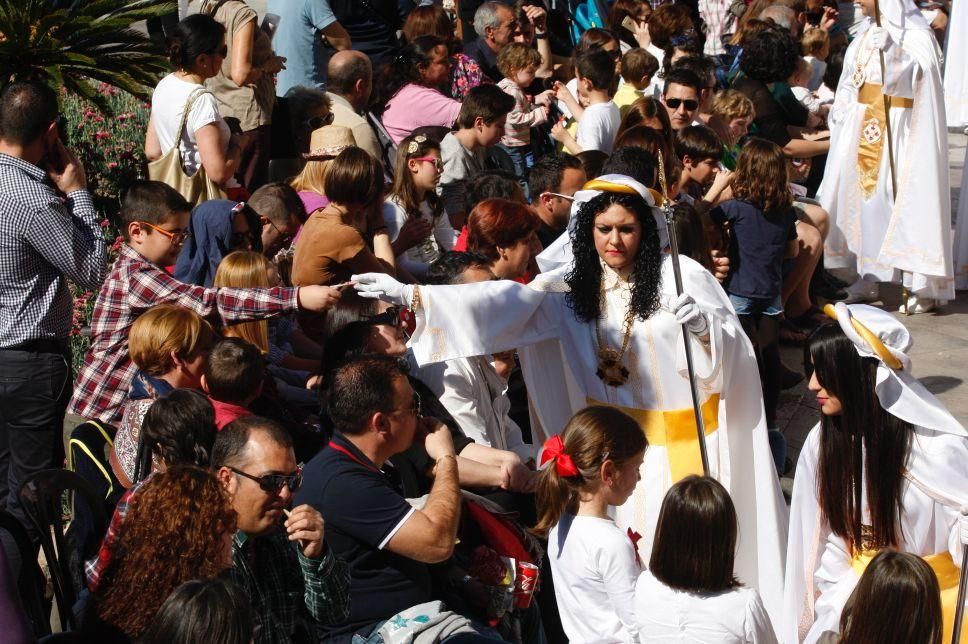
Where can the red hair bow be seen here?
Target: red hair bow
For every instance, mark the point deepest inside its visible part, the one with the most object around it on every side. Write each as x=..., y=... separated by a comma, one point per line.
x=554, y=450
x=634, y=537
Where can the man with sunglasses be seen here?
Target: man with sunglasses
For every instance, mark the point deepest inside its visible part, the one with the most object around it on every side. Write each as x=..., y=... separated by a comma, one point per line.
x=278, y=555
x=681, y=97
x=49, y=232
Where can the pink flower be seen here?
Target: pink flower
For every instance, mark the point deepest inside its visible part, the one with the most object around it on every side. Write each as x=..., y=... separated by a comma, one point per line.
x=112, y=165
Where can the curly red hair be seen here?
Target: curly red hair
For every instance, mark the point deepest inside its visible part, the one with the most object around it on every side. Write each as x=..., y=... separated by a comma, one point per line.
x=174, y=531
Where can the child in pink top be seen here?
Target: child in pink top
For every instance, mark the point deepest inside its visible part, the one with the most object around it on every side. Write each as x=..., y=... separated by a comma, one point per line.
x=519, y=63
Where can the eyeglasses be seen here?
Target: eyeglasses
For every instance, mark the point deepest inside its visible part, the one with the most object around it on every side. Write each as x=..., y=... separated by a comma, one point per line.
x=559, y=195
x=284, y=236
x=176, y=238
x=222, y=51
x=438, y=163
x=416, y=408
x=674, y=103
x=389, y=317
x=317, y=122
x=273, y=483
x=251, y=237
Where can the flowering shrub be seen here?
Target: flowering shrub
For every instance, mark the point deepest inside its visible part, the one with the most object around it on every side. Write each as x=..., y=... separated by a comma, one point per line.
x=111, y=149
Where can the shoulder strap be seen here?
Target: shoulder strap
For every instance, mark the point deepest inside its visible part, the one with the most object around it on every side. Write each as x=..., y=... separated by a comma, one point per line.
x=214, y=9
x=188, y=108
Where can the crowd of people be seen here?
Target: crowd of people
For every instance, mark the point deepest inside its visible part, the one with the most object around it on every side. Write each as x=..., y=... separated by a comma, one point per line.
x=461, y=322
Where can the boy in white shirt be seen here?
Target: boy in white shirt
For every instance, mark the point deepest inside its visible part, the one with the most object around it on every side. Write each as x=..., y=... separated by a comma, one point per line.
x=597, y=123
x=798, y=85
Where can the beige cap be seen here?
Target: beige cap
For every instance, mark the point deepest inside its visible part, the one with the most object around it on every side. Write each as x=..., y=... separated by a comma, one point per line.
x=328, y=141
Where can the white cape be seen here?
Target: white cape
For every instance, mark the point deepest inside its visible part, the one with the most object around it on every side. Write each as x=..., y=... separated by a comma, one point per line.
x=559, y=360
x=955, y=66
x=819, y=576
x=879, y=236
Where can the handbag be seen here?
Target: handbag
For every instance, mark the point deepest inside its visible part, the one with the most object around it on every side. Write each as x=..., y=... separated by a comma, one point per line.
x=195, y=188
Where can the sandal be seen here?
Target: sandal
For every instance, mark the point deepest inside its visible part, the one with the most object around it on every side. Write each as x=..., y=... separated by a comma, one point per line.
x=809, y=319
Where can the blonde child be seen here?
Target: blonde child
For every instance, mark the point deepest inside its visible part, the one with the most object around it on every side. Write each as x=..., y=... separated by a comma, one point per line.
x=519, y=63
x=418, y=227
x=733, y=113
x=798, y=82
x=815, y=46
x=690, y=592
x=638, y=69
x=594, y=464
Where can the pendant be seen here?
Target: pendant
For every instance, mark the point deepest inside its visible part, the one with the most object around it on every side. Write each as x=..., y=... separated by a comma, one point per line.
x=611, y=371
x=857, y=78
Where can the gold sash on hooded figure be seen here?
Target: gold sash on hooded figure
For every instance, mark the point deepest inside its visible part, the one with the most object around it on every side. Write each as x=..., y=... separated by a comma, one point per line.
x=675, y=430
x=873, y=132
x=948, y=575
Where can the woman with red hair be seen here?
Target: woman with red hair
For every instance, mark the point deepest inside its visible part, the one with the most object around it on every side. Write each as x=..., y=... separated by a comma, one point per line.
x=504, y=232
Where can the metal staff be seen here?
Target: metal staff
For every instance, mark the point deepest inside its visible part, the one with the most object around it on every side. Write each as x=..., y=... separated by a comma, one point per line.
x=890, y=143
x=676, y=271
x=962, y=587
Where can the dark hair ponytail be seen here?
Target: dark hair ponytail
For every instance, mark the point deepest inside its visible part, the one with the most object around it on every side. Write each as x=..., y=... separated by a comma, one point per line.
x=403, y=70
x=195, y=35
x=592, y=436
x=179, y=428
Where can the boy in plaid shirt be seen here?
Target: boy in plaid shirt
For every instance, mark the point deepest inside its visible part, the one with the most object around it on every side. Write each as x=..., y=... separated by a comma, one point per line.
x=155, y=225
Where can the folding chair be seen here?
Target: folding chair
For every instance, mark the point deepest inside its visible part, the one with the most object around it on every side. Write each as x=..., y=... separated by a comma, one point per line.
x=42, y=496
x=30, y=581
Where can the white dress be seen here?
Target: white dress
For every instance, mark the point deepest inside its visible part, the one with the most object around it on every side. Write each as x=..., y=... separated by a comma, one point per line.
x=819, y=576
x=879, y=236
x=956, y=107
x=417, y=259
x=594, y=567
x=559, y=359
x=667, y=615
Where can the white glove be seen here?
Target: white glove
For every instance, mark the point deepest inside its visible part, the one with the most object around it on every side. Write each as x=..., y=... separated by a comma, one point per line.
x=879, y=38
x=380, y=286
x=687, y=312
x=963, y=526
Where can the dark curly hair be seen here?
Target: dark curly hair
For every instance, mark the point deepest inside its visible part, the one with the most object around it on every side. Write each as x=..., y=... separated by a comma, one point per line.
x=174, y=531
x=771, y=56
x=585, y=278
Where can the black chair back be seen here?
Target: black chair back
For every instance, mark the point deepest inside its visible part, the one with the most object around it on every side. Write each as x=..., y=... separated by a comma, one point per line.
x=30, y=581
x=42, y=497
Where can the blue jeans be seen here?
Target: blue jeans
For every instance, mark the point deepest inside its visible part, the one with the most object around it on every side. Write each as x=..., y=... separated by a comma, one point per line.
x=756, y=305
x=523, y=158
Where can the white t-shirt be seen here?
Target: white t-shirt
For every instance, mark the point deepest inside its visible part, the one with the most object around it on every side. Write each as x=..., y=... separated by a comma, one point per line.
x=666, y=615
x=417, y=259
x=598, y=126
x=594, y=568
x=167, y=106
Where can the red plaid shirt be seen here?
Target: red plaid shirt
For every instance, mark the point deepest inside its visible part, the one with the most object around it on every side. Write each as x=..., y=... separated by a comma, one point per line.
x=134, y=286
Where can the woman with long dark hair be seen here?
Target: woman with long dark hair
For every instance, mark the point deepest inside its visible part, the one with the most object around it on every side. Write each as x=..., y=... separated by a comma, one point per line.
x=608, y=329
x=886, y=467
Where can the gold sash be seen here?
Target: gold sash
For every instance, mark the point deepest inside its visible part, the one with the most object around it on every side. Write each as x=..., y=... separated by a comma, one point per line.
x=873, y=131
x=948, y=575
x=676, y=431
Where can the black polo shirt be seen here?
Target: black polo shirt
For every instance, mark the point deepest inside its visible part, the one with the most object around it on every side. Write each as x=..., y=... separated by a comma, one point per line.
x=363, y=510
x=478, y=50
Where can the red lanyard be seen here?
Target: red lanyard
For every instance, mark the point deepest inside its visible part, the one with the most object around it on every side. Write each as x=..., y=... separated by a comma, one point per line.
x=340, y=448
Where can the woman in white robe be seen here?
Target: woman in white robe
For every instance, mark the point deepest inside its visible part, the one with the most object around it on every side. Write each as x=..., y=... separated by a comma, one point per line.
x=561, y=361
x=880, y=420
x=956, y=108
x=903, y=237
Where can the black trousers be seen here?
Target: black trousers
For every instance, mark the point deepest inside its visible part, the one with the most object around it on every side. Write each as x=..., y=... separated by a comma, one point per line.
x=35, y=387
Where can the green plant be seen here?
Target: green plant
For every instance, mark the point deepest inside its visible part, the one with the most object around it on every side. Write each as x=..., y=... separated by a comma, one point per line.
x=111, y=149
x=67, y=42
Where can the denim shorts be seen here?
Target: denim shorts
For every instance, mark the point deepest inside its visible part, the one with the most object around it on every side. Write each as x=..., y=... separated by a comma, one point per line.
x=756, y=305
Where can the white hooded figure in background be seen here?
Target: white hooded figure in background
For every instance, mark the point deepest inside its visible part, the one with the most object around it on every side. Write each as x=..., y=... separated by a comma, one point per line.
x=903, y=237
x=956, y=106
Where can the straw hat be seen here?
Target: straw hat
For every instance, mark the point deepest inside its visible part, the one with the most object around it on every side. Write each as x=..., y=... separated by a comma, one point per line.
x=328, y=141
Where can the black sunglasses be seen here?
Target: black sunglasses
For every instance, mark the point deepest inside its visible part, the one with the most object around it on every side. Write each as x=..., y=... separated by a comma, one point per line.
x=317, y=122
x=273, y=483
x=390, y=317
x=674, y=103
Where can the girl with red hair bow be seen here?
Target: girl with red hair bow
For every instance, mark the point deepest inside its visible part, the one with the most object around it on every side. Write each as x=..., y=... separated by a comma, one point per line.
x=593, y=464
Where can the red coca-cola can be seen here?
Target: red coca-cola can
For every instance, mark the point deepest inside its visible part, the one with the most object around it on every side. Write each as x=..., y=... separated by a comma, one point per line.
x=525, y=583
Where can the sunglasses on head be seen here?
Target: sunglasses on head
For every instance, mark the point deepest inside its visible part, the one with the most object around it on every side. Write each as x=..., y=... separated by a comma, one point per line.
x=273, y=483
x=317, y=122
x=674, y=103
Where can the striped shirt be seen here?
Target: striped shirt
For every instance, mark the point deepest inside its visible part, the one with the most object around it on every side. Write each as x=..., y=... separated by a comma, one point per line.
x=44, y=241
x=134, y=286
x=524, y=116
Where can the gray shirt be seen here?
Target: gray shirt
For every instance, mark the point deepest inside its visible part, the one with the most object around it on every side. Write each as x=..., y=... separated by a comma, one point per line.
x=44, y=241
x=460, y=164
